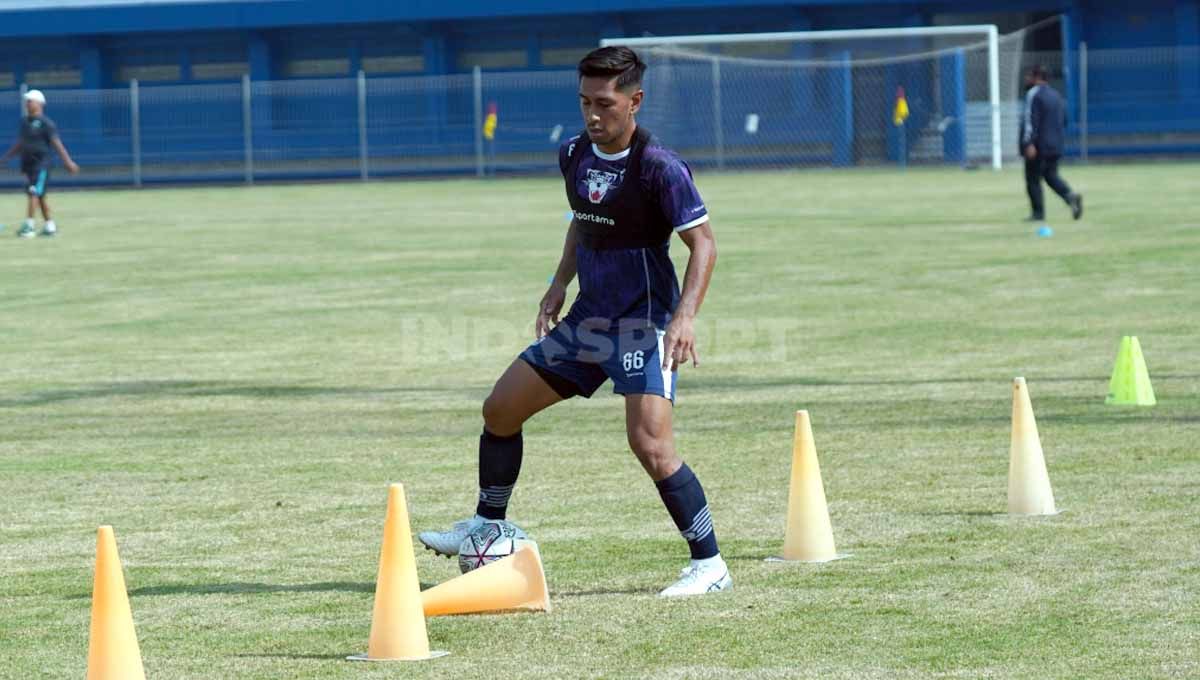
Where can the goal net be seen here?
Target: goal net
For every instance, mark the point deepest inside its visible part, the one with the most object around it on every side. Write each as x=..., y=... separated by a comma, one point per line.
x=831, y=98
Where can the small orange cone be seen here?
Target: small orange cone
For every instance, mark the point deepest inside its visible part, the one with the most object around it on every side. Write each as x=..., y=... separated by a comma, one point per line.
x=397, y=623
x=113, y=652
x=516, y=582
x=809, y=534
x=1029, y=491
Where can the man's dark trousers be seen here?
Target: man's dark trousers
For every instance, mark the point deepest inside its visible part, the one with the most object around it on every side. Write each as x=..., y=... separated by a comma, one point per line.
x=1044, y=167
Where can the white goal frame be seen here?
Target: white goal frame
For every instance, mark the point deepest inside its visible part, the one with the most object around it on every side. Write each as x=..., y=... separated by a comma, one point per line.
x=990, y=31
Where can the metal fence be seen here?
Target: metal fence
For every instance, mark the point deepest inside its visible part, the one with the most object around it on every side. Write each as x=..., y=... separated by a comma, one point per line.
x=1128, y=102
x=1122, y=102
x=311, y=129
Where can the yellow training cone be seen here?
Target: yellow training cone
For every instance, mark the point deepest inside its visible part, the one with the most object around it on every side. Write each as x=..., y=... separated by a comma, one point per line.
x=516, y=582
x=1029, y=490
x=1130, y=383
x=809, y=535
x=113, y=652
x=398, y=623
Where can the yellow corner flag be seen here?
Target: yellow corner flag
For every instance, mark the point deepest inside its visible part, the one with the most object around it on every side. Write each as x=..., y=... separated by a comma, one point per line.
x=900, y=113
x=490, y=122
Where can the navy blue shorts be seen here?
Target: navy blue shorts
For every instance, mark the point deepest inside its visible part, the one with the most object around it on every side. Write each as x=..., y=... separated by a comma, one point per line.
x=37, y=174
x=576, y=359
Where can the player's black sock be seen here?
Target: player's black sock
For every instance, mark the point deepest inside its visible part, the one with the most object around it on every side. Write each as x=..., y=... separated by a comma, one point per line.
x=684, y=498
x=499, y=465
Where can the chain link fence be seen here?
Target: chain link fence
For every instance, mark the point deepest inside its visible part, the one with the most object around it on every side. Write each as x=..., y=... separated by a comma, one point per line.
x=723, y=113
x=1128, y=102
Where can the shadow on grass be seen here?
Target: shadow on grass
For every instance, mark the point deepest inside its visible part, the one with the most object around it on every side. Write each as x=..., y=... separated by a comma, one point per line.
x=312, y=657
x=736, y=383
x=1046, y=413
x=753, y=557
x=1115, y=416
x=250, y=588
x=960, y=513
x=202, y=388
x=800, y=381
x=239, y=588
x=220, y=388
x=607, y=591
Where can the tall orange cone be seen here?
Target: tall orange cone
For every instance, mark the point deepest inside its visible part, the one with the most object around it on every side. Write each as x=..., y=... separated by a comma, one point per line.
x=809, y=534
x=516, y=582
x=113, y=652
x=397, y=623
x=1029, y=491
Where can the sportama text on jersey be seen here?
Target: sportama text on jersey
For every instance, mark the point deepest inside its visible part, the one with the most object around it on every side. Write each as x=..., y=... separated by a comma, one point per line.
x=626, y=206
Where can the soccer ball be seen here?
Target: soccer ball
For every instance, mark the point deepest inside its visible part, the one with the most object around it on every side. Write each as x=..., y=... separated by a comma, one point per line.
x=489, y=542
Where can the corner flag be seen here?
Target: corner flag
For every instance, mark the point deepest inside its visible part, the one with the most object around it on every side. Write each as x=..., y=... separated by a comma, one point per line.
x=489, y=123
x=900, y=113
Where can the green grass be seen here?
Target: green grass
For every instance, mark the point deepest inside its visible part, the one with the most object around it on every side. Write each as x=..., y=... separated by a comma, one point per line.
x=231, y=377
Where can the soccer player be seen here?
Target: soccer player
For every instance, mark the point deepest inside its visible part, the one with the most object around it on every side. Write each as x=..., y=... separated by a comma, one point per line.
x=35, y=138
x=1043, y=136
x=629, y=323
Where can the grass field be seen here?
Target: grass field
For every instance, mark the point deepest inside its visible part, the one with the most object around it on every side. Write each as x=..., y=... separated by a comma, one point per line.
x=231, y=377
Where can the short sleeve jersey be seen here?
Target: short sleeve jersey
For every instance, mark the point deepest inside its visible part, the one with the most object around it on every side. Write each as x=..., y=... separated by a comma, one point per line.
x=36, y=135
x=631, y=284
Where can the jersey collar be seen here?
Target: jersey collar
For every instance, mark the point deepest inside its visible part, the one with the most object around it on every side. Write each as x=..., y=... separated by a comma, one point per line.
x=620, y=155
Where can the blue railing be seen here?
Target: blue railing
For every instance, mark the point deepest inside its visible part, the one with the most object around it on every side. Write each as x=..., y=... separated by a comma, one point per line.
x=738, y=115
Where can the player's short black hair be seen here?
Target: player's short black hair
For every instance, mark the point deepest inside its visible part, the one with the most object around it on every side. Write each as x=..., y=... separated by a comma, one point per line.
x=618, y=61
x=1038, y=71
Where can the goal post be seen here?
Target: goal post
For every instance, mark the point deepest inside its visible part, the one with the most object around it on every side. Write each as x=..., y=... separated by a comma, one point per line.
x=989, y=33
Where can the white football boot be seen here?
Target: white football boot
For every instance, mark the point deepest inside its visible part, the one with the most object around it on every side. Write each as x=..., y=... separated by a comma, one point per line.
x=705, y=576
x=447, y=542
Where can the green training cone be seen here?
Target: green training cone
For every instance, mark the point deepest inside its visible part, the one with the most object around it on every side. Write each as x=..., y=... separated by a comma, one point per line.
x=1130, y=384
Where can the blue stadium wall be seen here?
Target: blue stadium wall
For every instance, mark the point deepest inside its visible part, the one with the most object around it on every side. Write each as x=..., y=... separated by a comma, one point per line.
x=176, y=42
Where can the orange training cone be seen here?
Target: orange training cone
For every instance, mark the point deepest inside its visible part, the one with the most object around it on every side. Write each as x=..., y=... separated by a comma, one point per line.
x=113, y=652
x=512, y=583
x=809, y=535
x=1029, y=490
x=397, y=624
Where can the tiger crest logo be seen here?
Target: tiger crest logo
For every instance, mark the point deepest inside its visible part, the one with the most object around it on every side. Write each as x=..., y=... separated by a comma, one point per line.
x=599, y=182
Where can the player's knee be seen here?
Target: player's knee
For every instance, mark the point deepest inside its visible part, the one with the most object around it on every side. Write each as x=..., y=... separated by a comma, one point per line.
x=493, y=411
x=655, y=453
x=498, y=417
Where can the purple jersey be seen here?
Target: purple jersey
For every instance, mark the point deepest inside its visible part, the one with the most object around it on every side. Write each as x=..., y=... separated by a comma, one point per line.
x=626, y=285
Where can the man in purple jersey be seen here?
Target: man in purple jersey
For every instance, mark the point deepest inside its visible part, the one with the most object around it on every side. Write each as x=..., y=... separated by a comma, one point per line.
x=629, y=323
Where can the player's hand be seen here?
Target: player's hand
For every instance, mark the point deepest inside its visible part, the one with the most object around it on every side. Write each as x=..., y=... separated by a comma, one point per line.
x=549, y=308
x=679, y=343
x=1031, y=152
x=72, y=167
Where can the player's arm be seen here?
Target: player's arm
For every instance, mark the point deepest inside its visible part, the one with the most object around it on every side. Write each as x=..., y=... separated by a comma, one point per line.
x=72, y=167
x=16, y=146
x=552, y=302
x=1035, y=127
x=679, y=342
